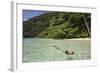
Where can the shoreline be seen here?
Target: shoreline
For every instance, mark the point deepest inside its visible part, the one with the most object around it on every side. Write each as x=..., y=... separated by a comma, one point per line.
x=80, y=39
x=63, y=39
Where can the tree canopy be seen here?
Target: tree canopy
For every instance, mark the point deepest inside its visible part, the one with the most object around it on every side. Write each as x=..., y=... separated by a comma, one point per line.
x=58, y=25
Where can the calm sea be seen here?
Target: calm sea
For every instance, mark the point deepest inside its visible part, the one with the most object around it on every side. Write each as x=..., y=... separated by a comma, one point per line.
x=42, y=50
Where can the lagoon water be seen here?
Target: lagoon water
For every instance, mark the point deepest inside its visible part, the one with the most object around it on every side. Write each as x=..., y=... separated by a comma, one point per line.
x=42, y=50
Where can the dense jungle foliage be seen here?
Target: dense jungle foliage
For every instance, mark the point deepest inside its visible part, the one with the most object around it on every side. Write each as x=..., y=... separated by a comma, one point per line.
x=58, y=25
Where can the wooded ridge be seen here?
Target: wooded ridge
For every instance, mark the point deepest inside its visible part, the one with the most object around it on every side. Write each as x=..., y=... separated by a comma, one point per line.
x=58, y=25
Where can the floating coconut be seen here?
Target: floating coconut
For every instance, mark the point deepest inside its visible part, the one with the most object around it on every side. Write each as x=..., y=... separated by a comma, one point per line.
x=70, y=51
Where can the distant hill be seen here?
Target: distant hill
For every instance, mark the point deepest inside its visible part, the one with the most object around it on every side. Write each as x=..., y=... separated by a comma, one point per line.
x=58, y=25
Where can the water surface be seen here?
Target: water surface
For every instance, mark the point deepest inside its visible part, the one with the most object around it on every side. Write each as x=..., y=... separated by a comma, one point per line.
x=42, y=50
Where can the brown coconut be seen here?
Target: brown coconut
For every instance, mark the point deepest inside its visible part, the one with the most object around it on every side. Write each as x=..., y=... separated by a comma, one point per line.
x=70, y=51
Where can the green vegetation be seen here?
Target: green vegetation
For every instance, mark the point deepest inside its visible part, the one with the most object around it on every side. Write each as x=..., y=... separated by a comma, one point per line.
x=58, y=25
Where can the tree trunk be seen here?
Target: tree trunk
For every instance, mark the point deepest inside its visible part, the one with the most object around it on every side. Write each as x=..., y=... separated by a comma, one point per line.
x=87, y=26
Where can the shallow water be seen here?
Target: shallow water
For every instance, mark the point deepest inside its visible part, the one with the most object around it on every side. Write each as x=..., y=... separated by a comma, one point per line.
x=42, y=50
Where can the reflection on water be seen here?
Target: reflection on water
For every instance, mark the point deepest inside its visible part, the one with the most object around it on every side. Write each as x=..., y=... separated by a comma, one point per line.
x=41, y=50
x=69, y=58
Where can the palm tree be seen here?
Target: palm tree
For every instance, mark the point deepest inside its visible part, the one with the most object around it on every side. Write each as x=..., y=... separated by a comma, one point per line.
x=86, y=24
x=75, y=19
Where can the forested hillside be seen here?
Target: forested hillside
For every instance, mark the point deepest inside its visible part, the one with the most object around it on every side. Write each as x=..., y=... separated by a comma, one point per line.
x=58, y=25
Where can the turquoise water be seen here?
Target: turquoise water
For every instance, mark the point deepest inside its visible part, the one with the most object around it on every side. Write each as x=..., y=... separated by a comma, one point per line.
x=42, y=50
